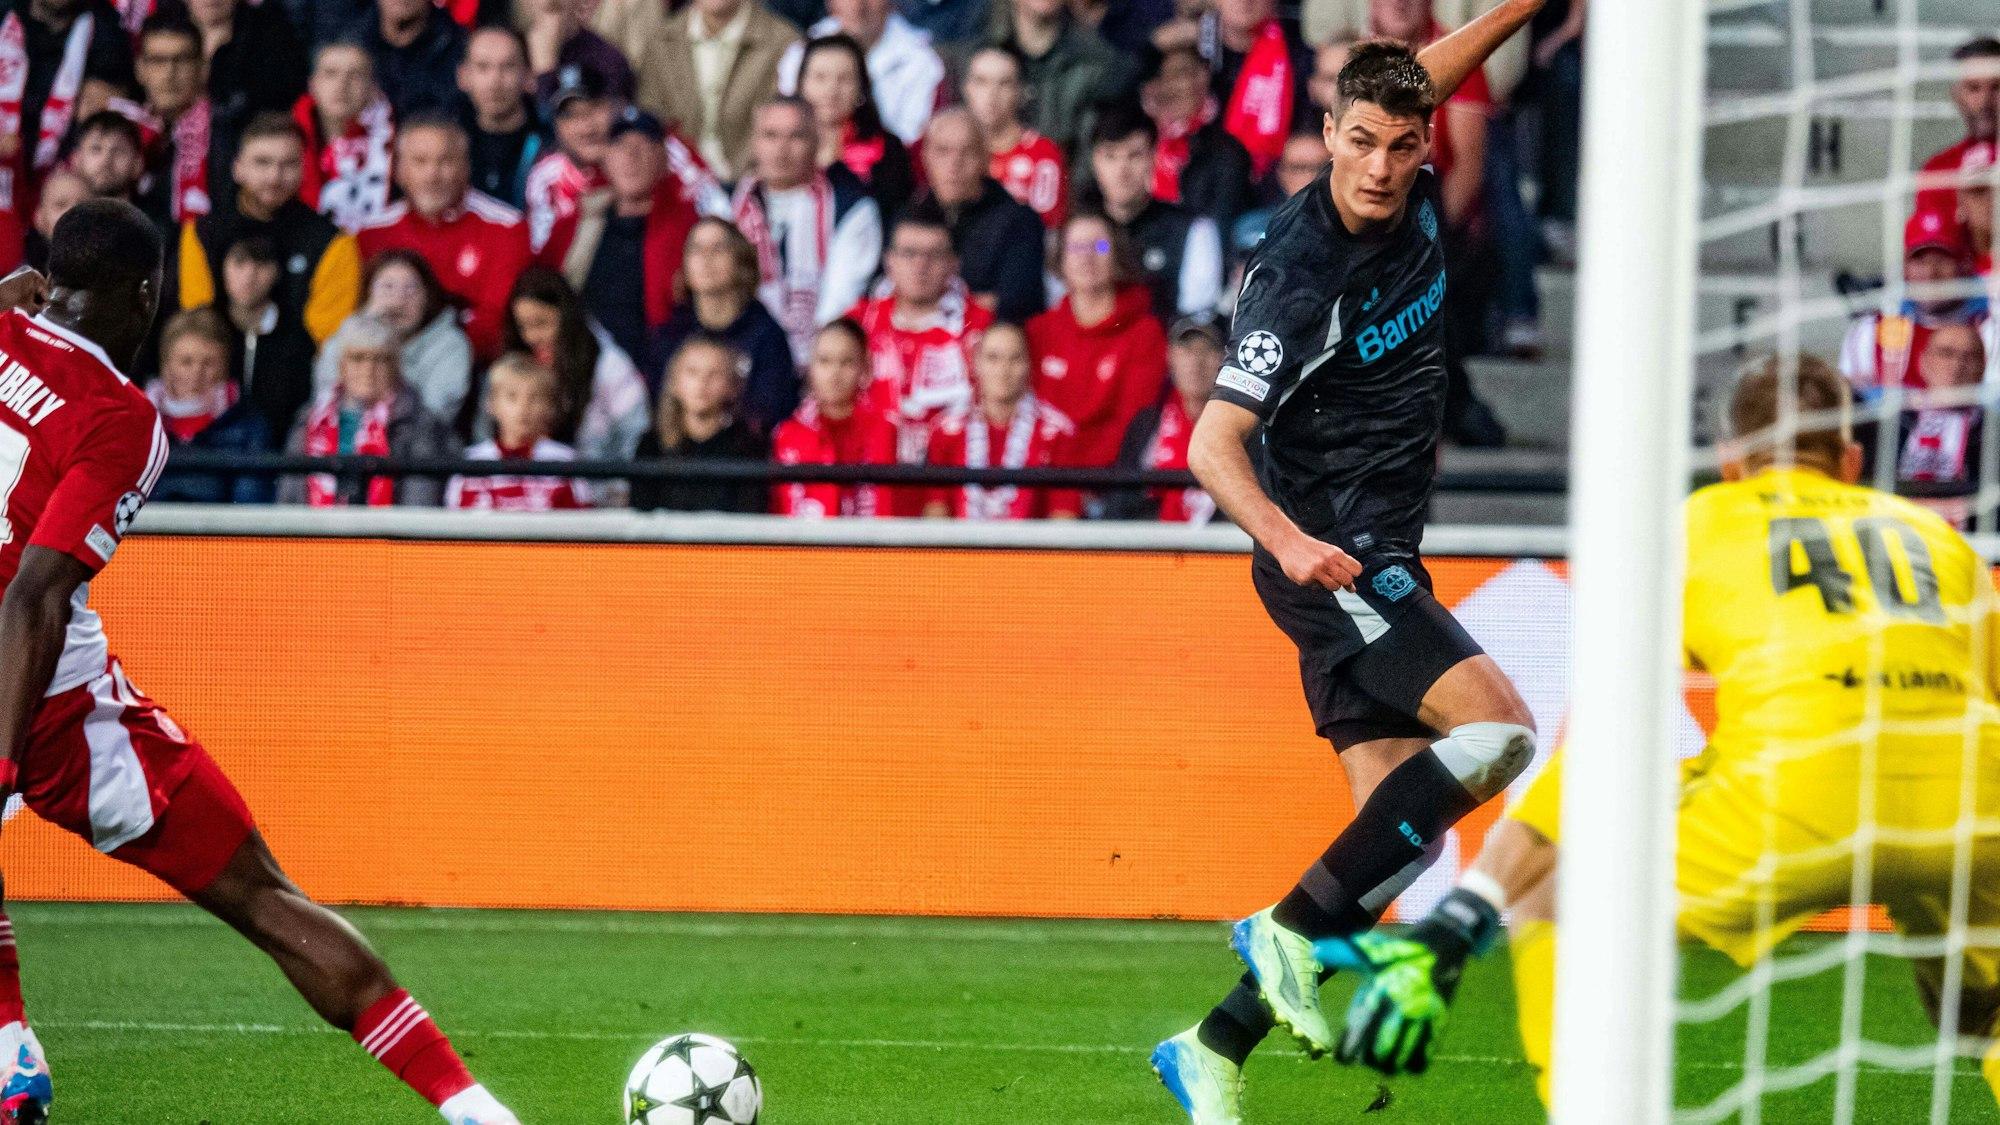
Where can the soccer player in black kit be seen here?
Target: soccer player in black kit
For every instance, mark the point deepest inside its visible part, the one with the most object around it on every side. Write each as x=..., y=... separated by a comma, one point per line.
x=1336, y=364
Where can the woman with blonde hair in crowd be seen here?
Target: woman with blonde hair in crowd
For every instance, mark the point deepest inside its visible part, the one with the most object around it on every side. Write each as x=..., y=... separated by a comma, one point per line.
x=699, y=419
x=716, y=296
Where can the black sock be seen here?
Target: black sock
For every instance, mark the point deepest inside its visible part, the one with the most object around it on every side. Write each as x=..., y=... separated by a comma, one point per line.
x=1391, y=840
x=1235, y=1026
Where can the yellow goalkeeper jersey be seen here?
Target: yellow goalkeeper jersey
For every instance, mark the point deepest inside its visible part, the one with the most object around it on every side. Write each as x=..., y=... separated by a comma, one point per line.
x=1829, y=611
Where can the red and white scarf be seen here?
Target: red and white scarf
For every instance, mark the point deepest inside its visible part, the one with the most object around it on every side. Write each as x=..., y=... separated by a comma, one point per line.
x=186, y=417
x=790, y=280
x=998, y=503
x=1937, y=444
x=1168, y=449
x=190, y=137
x=555, y=190
x=61, y=103
x=347, y=177
x=1170, y=156
x=1260, y=107
x=323, y=440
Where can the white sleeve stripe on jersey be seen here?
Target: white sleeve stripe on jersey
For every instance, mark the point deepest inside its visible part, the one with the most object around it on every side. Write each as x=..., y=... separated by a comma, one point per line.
x=156, y=461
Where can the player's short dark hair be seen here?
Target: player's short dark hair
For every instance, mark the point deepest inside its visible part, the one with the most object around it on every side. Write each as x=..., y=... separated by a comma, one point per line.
x=1820, y=404
x=1386, y=73
x=1119, y=121
x=1978, y=47
x=168, y=21
x=103, y=244
x=109, y=121
x=268, y=124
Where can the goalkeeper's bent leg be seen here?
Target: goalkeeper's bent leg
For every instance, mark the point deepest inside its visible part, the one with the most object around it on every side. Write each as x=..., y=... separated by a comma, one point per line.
x=1532, y=945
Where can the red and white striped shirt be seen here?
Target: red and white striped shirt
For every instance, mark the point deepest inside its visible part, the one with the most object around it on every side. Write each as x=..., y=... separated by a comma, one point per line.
x=508, y=492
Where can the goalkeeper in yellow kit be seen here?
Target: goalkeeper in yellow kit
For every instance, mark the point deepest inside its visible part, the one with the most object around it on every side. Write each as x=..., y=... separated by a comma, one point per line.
x=1856, y=653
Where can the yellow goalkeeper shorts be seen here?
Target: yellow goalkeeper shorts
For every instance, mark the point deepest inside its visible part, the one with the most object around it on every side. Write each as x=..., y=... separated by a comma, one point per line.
x=1763, y=849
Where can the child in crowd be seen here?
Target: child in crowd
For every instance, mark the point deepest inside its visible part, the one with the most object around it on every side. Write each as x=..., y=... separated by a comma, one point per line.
x=522, y=400
x=833, y=427
x=200, y=409
x=699, y=420
x=1008, y=428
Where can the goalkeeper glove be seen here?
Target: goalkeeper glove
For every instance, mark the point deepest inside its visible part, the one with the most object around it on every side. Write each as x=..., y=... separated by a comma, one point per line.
x=1398, y=1012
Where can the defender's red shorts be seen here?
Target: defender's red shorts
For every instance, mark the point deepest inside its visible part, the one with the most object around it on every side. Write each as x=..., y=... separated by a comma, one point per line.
x=108, y=764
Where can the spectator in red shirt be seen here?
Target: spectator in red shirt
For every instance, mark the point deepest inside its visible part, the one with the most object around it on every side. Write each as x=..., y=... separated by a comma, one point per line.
x=350, y=136
x=475, y=244
x=583, y=114
x=1977, y=96
x=1100, y=356
x=1030, y=166
x=833, y=426
x=921, y=326
x=1009, y=429
x=521, y=400
x=621, y=250
x=1158, y=438
x=1975, y=206
x=833, y=80
x=1881, y=348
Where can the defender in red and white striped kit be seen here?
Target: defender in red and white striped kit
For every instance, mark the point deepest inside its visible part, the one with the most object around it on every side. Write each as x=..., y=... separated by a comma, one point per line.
x=80, y=449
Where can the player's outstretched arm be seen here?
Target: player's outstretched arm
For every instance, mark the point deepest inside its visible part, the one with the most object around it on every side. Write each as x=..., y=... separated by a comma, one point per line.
x=34, y=621
x=1220, y=462
x=1452, y=60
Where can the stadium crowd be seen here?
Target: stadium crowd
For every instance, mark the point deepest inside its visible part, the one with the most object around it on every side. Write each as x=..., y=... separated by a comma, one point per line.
x=1921, y=367
x=978, y=233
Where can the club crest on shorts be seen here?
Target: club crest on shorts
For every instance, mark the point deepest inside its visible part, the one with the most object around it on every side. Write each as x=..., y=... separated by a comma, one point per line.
x=1260, y=353
x=1395, y=583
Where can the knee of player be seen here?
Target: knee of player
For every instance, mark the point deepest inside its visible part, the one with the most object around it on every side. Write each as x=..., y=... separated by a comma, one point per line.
x=1487, y=757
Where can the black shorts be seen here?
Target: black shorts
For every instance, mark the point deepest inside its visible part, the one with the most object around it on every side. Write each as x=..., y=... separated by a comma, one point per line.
x=1369, y=655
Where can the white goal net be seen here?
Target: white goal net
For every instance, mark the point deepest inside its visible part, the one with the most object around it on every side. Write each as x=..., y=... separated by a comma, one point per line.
x=1754, y=186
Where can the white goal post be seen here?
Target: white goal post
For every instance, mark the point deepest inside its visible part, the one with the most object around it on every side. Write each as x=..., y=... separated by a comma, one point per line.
x=1642, y=144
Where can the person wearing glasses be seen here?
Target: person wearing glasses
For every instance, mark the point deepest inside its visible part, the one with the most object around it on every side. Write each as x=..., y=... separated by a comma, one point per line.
x=1100, y=355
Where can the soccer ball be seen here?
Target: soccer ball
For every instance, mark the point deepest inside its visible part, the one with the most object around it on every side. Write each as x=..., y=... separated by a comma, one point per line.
x=692, y=1079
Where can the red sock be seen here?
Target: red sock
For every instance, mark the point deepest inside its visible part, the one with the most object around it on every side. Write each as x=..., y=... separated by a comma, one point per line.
x=401, y=1036
x=12, y=1010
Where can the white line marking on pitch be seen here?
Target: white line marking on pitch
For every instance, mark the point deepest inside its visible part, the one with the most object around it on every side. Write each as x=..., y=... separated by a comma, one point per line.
x=640, y=1037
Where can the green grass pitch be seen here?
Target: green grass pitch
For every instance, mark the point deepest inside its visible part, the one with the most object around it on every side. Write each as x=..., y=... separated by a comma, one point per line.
x=157, y=1014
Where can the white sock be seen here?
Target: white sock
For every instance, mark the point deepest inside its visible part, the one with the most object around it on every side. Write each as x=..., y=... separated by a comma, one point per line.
x=474, y=1106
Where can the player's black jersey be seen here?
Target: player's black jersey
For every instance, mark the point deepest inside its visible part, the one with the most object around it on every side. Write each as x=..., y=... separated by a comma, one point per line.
x=1338, y=344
